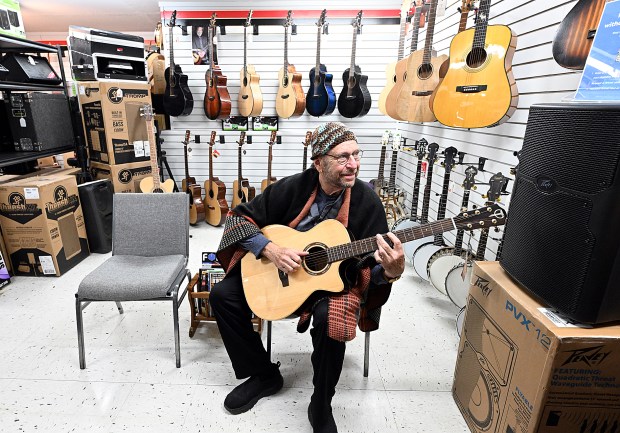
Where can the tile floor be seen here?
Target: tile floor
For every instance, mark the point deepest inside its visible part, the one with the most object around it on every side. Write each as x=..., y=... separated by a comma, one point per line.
x=131, y=383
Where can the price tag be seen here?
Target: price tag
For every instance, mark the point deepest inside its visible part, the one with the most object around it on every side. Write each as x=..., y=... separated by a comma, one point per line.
x=31, y=193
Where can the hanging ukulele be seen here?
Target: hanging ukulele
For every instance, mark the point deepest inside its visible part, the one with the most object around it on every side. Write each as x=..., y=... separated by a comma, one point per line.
x=217, y=99
x=250, y=100
x=270, y=179
x=178, y=99
x=193, y=190
x=354, y=99
x=242, y=191
x=290, y=99
x=215, y=193
x=321, y=98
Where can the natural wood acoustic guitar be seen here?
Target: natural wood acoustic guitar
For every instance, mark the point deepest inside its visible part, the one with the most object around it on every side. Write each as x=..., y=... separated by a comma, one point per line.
x=153, y=183
x=270, y=179
x=242, y=191
x=191, y=188
x=290, y=99
x=250, y=100
x=306, y=143
x=215, y=193
x=217, y=103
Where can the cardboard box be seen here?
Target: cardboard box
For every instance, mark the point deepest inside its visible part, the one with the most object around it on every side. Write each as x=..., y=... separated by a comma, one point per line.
x=11, y=21
x=124, y=177
x=522, y=368
x=115, y=131
x=42, y=224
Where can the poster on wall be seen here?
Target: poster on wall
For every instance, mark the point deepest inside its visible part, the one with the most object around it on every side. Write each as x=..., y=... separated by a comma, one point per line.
x=200, y=44
x=600, y=80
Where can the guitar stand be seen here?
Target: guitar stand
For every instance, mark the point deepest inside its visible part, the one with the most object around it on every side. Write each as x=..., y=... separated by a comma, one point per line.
x=162, y=160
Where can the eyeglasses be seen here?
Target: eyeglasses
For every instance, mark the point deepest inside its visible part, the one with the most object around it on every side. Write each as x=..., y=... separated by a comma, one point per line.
x=342, y=159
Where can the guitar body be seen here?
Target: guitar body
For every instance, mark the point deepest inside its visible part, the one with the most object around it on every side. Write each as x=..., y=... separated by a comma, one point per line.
x=354, y=100
x=290, y=99
x=423, y=80
x=185, y=183
x=215, y=199
x=321, y=98
x=250, y=99
x=264, y=290
x=390, y=80
x=266, y=182
x=472, y=106
x=573, y=40
x=156, y=64
x=148, y=186
x=217, y=99
x=400, y=85
x=178, y=98
x=242, y=193
x=196, y=205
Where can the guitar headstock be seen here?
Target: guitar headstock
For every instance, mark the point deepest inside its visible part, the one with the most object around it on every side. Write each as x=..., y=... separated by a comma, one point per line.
x=146, y=111
x=289, y=19
x=396, y=140
x=470, y=177
x=357, y=21
x=466, y=7
x=321, y=21
x=421, y=151
x=449, y=155
x=486, y=216
x=385, y=138
x=405, y=8
x=187, y=134
x=496, y=186
x=249, y=19
x=308, y=138
x=241, y=139
x=212, y=139
x=212, y=22
x=173, y=19
x=432, y=152
x=272, y=138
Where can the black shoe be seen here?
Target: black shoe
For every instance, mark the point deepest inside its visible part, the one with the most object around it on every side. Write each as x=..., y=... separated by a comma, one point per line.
x=327, y=426
x=244, y=397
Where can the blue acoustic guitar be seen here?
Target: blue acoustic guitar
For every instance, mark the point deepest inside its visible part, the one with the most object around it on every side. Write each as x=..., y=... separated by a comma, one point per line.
x=321, y=98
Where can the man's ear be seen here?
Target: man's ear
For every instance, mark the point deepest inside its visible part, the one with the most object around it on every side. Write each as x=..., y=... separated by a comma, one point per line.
x=317, y=164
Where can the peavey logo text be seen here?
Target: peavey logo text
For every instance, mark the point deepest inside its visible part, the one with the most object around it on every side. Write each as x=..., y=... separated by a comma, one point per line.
x=546, y=184
x=483, y=285
x=591, y=356
x=17, y=204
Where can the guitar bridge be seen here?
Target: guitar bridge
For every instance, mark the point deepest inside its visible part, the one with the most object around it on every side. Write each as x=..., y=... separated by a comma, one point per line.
x=471, y=89
x=425, y=93
x=283, y=278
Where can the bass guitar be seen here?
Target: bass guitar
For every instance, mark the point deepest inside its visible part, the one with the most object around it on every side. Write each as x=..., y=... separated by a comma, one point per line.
x=153, y=183
x=379, y=182
x=178, y=99
x=575, y=35
x=273, y=294
x=290, y=99
x=215, y=193
x=479, y=89
x=306, y=143
x=354, y=99
x=217, y=99
x=191, y=188
x=321, y=98
x=250, y=100
x=242, y=191
x=270, y=179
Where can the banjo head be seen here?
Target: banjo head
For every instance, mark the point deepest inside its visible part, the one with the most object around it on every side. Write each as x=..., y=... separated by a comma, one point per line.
x=421, y=258
x=457, y=287
x=439, y=269
x=406, y=223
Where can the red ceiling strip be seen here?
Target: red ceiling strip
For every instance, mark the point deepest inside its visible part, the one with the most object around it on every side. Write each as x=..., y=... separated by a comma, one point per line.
x=281, y=14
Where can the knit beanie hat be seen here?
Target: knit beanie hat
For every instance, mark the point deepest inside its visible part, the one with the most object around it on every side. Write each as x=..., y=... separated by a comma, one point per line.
x=329, y=135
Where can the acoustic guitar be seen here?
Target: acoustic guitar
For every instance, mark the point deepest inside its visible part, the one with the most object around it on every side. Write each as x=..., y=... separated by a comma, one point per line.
x=153, y=183
x=178, y=98
x=306, y=143
x=217, y=99
x=270, y=179
x=575, y=35
x=191, y=188
x=379, y=181
x=290, y=99
x=391, y=196
x=215, y=193
x=273, y=294
x=250, y=99
x=321, y=98
x=354, y=99
x=479, y=89
x=242, y=191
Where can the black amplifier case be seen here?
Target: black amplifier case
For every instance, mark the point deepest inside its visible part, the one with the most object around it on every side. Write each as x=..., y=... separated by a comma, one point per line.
x=563, y=229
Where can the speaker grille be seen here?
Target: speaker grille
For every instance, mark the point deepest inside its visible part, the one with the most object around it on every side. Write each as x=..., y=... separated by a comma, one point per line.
x=560, y=141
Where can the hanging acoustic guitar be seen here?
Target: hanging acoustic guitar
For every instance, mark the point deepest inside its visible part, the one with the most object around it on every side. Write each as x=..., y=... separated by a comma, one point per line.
x=191, y=188
x=321, y=98
x=250, y=100
x=242, y=191
x=290, y=99
x=215, y=193
x=217, y=99
x=153, y=183
x=270, y=179
x=178, y=99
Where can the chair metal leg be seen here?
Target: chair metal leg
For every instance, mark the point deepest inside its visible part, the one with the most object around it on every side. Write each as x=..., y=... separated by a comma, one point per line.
x=175, y=315
x=366, y=353
x=80, y=330
x=269, y=340
x=120, y=307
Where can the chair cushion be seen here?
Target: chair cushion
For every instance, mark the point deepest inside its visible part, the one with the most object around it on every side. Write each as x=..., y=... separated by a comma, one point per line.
x=132, y=278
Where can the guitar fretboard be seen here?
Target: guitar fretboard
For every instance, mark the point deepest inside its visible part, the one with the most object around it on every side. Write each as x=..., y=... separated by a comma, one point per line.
x=480, y=34
x=458, y=243
x=430, y=30
x=416, y=29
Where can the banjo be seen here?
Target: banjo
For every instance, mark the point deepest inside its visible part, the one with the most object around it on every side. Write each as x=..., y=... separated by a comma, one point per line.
x=412, y=219
x=424, y=252
x=458, y=279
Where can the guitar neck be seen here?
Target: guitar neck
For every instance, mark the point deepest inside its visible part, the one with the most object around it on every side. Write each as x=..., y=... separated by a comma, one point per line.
x=211, y=166
x=186, y=161
x=382, y=163
x=153, y=148
x=427, y=193
x=211, y=37
x=318, y=53
x=480, y=34
x=286, y=52
x=269, y=158
x=245, y=51
x=463, y=21
x=443, y=200
x=239, y=175
x=393, y=164
x=171, y=55
x=428, y=45
x=416, y=192
x=416, y=29
x=401, y=40
x=458, y=243
x=305, y=162
x=353, y=47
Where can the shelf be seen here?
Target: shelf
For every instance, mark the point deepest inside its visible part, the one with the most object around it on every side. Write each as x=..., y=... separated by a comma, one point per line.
x=9, y=85
x=10, y=43
x=12, y=157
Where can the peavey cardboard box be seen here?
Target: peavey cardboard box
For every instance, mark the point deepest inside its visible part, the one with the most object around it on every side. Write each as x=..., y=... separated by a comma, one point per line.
x=42, y=224
x=124, y=177
x=522, y=368
x=115, y=130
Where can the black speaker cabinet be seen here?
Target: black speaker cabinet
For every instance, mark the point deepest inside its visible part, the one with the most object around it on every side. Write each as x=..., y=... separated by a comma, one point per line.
x=562, y=237
x=96, y=199
x=25, y=68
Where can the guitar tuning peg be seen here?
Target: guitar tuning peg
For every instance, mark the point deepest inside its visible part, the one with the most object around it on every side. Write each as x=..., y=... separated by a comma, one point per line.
x=474, y=187
x=484, y=196
x=498, y=199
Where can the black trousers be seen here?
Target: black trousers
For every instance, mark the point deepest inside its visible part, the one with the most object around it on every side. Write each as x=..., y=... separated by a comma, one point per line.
x=245, y=347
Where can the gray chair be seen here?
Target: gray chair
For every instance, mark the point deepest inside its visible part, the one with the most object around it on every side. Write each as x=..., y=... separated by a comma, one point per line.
x=150, y=248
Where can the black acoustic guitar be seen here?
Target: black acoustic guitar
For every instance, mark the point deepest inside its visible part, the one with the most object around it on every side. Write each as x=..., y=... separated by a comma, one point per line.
x=178, y=99
x=354, y=99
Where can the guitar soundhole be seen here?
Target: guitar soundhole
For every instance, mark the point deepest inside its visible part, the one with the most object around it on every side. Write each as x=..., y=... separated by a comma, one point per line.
x=211, y=195
x=476, y=58
x=158, y=190
x=425, y=71
x=394, y=79
x=316, y=261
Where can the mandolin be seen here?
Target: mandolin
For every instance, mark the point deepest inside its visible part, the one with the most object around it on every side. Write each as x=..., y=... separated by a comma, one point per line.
x=321, y=98
x=273, y=294
x=217, y=99
x=423, y=77
x=215, y=193
x=354, y=99
x=270, y=179
x=242, y=191
x=306, y=143
x=250, y=99
x=575, y=35
x=191, y=188
x=153, y=183
x=290, y=99
x=178, y=99
x=479, y=89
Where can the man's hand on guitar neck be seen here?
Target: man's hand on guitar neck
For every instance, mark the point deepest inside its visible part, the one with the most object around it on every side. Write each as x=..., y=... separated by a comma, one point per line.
x=391, y=258
x=286, y=259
